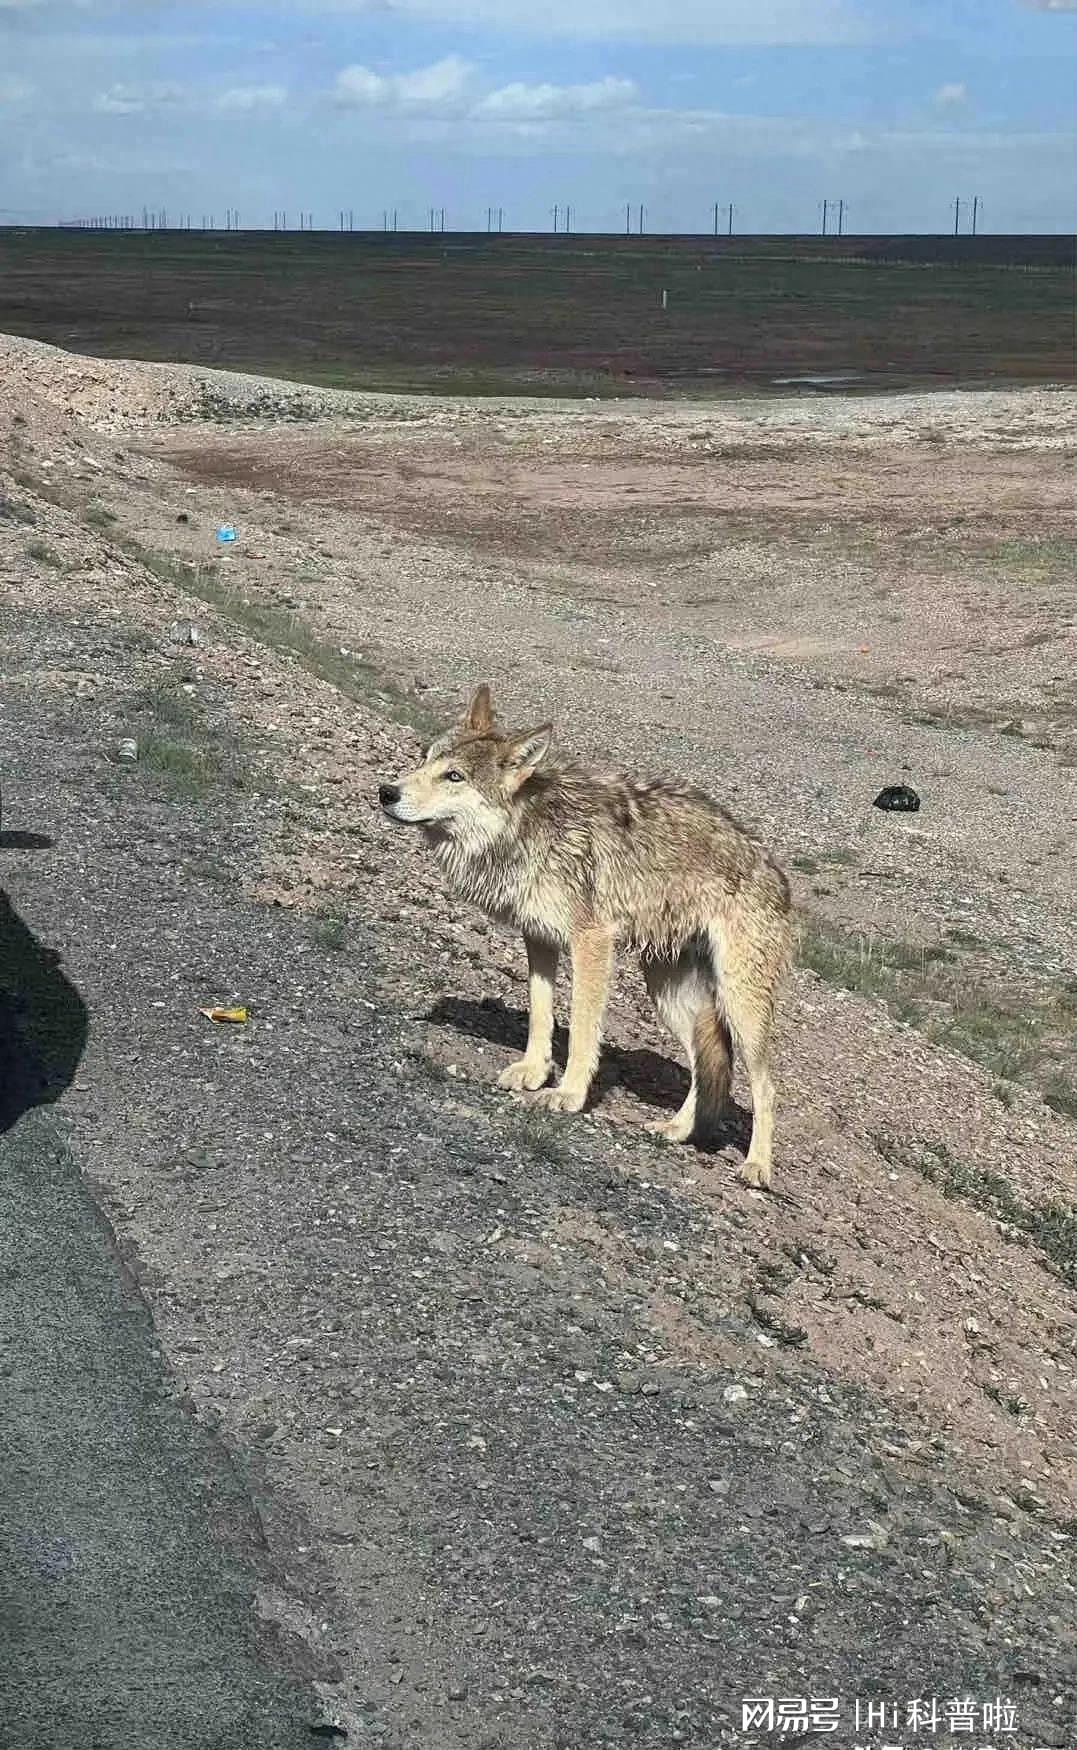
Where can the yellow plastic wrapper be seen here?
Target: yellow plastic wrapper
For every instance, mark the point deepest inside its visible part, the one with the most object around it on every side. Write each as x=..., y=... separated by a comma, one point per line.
x=238, y=1015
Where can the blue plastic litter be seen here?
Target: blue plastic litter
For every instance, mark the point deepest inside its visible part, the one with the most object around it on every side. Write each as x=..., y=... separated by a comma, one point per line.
x=226, y=532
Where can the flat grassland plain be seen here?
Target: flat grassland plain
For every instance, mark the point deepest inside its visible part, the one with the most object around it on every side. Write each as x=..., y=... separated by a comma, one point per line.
x=544, y=314
x=561, y=1440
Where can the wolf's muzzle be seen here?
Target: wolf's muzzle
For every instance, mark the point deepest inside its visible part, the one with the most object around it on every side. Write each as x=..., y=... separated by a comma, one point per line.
x=388, y=795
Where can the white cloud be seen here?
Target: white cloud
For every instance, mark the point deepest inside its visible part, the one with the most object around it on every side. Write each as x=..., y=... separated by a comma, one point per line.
x=142, y=99
x=519, y=102
x=438, y=86
x=358, y=85
x=1052, y=5
x=429, y=87
x=949, y=95
x=242, y=99
x=449, y=89
x=136, y=99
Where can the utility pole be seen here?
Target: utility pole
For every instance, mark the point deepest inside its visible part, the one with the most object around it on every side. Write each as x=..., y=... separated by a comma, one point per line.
x=975, y=212
x=824, y=217
x=957, y=215
x=841, y=217
x=555, y=213
x=716, y=218
x=730, y=231
x=641, y=218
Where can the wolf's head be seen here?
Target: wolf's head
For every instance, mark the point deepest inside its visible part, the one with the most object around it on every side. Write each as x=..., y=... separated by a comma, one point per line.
x=468, y=777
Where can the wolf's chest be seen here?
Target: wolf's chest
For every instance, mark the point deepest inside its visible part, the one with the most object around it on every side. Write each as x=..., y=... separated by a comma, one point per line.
x=487, y=882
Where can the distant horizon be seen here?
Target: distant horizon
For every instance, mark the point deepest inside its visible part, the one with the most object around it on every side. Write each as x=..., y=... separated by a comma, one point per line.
x=106, y=225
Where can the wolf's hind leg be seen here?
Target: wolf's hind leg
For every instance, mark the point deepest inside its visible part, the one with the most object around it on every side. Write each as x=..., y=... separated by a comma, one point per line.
x=534, y=1068
x=683, y=990
x=752, y=963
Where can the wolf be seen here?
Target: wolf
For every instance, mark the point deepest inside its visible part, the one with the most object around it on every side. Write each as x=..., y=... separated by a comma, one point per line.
x=583, y=860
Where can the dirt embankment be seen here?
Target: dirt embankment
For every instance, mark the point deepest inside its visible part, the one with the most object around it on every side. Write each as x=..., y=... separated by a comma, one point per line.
x=562, y=1437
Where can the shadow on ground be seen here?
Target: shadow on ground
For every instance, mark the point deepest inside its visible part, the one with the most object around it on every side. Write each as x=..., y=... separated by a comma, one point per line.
x=43, y=1020
x=653, y=1079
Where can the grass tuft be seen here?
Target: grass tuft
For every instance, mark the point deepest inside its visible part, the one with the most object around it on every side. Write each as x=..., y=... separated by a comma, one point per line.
x=331, y=930
x=43, y=554
x=12, y=510
x=1012, y=1037
x=354, y=676
x=1052, y=1227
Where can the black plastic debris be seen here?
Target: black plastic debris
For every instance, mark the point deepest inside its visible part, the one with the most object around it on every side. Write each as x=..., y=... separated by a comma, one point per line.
x=183, y=517
x=897, y=799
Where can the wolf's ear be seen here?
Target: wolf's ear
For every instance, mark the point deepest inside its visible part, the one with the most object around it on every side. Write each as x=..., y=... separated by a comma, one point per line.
x=524, y=752
x=479, y=715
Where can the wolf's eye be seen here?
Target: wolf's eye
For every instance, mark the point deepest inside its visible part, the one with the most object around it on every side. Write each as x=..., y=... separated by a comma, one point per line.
x=454, y=777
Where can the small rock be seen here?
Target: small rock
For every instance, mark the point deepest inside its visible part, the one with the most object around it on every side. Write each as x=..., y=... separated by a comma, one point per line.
x=897, y=799
x=458, y=1693
x=127, y=751
x=734, y=1394
x=328, y=1727
x=876, y=1538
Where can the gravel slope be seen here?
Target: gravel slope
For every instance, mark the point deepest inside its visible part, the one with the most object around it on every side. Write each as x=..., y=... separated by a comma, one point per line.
x=557, y=1438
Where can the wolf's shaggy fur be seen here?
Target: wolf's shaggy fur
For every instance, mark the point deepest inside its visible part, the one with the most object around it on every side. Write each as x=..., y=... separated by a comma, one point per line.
x=583, y=860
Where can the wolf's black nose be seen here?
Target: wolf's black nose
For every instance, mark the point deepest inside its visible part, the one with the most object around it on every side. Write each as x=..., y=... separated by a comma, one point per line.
x=388, y=794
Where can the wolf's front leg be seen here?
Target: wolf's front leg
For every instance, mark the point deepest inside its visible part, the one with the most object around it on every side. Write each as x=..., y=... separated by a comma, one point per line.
x=592, y=963
x=534, y=1068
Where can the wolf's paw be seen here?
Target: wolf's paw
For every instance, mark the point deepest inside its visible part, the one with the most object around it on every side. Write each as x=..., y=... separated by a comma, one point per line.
x=756, y=1173
x=525, y=1074
x=675, y=1129
x=560, y=1099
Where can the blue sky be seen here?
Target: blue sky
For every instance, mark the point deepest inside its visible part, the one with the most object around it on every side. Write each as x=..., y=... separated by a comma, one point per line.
x=894, y=105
